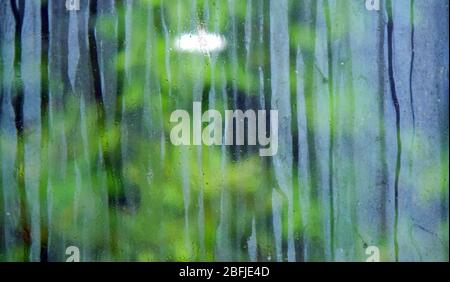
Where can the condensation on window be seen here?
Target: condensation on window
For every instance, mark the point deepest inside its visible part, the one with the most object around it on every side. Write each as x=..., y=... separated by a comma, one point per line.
x=88, y=170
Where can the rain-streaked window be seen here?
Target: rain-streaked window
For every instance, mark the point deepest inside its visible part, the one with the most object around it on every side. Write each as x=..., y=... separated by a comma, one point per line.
x=224, y=130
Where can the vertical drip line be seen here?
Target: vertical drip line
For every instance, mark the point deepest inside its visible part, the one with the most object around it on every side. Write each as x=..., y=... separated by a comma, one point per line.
x=43, y=181
x=233, y=55
x=350, y=194
x=281, y=101
x=381, y=63
x=166, y=50
x=17, y=104
x=168, y=77
x=231, y=102
x=331, y=126
x=390, y=28
x=411, y=70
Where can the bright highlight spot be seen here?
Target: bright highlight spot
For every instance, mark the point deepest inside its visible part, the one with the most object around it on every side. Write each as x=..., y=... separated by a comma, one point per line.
x=200, y=42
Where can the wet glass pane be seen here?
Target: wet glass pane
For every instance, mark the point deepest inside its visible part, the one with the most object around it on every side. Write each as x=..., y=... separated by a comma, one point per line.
x=224, y=130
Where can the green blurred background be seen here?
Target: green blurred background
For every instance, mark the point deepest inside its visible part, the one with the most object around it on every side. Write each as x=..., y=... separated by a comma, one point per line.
x=86, y=158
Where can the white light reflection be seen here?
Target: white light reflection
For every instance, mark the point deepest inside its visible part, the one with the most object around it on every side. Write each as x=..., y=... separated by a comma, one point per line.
x=200, y=42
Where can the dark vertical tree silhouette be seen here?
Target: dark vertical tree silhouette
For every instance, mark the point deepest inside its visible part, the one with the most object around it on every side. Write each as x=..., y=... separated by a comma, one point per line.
x=2, y=93
x=309, y=10
x=43, y=182
x=117, y=160
x=331, y=123
x=120, y=10
x=108, y=158
x=18, y=10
